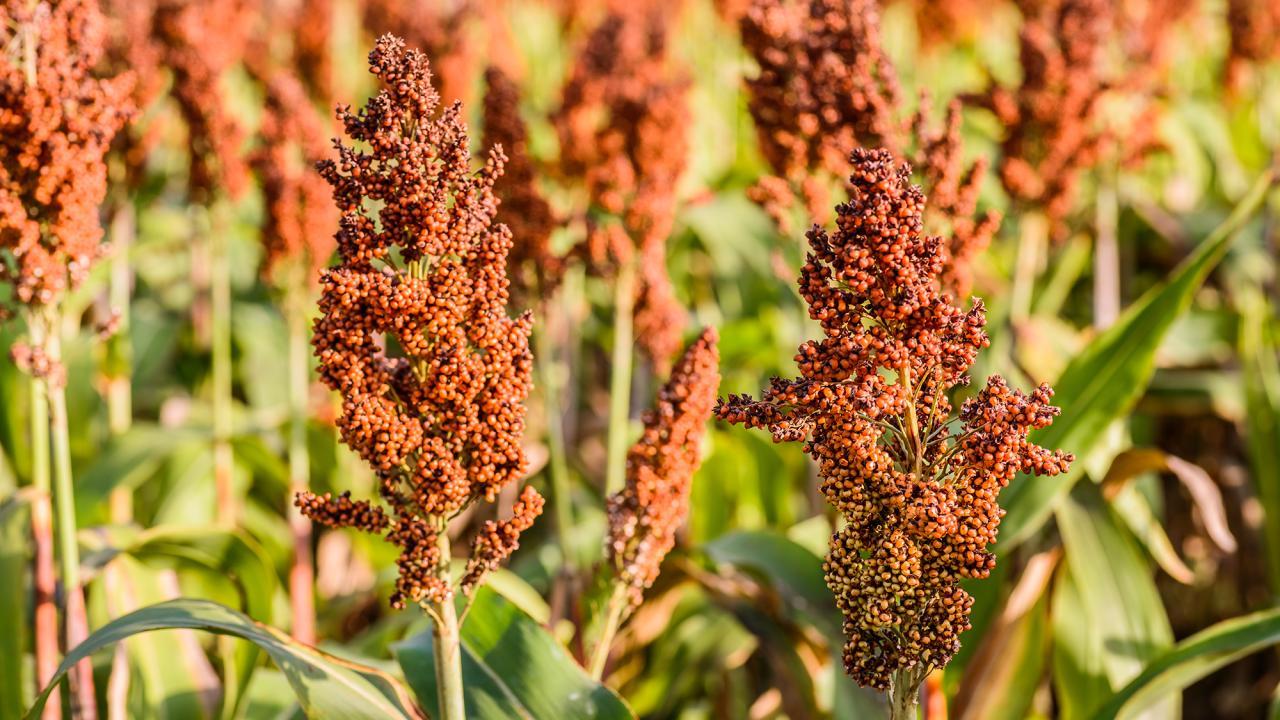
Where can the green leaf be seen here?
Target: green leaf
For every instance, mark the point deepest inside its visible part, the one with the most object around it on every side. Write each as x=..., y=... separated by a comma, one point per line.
x=1105, y=381
x=1110, y=620
x=796, y=575
x=326, y=687
x=14, y=560
x=511, y=668
x=1193, y=659
x=1262, y=417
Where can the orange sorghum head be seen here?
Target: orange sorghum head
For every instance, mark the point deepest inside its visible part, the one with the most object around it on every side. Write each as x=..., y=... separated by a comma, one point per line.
x=953, y=186
x=299, y=213
x=623, y=127
x=645, y=515
x=202, y=41
x=871, y=407
x=825, y=85
x=57, y=121
x=532, y=265
x=440, y=29
x=1052, y=132
x=414, y=332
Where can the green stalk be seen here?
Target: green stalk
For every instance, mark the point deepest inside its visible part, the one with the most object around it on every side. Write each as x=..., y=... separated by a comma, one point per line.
x=44, y=574
x=1106, y=257
x=613, y=621
x=227, y=505
x=302, y=572
x=64, y=506
x=448, y=639
x=904, y=691
x=558, y=464
x=620, y=379
x=1033, y=240
x=119, y=349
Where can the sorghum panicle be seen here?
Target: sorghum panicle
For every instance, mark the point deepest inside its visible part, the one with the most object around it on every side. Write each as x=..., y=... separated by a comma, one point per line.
x=825, y=87
x=1052, y=132
x=57, y=121
x=299, y=212
x=871, y=407
x=414, y=333
x=532, y=266
x=646, y=514
x=623, y=128
x=953, y=186
x=439, y=28
x=1253, y=25
x=202, y=41
x=312, y=25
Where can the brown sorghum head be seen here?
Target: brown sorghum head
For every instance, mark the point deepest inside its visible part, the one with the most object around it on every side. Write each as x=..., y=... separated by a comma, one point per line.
x=1253, y=25
x=1052, y=133
x=439, y=28
x=953, y=185
x=623, y=128
x=202, y=41
x=825, y=86
x=532, y=265
x=313, y=46
x=132, y=47
x=871, y=407
x=299, y=212
x=414, y=332
x=645, y=515
x=57, y=121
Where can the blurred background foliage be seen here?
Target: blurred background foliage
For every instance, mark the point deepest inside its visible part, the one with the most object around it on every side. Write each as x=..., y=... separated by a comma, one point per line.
x=1172, y=525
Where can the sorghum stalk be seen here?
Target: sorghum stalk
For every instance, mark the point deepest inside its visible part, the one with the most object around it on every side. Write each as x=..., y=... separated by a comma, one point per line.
x=448, y=638
x=558, y=461
x=119, y=350
x=227, y=505
x=613, y=621
x=620, y=377
x=1106, y=251
x=45, y=577
x=904, y=695
x=1033, y=244
x=302, y=571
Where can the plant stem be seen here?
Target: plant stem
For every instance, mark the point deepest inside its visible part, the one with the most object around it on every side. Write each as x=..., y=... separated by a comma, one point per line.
x=64, y=506
x=620, y=379
x=119, y=348
x=226, y=504
x=448, y=639
x=45, y=577
x=302, y=572
x=1032, y=239
x=561, y=497
x=613, y=621
x=904, y=691
x=1106, y=256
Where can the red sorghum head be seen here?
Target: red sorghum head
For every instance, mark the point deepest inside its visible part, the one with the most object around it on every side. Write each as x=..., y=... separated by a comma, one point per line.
x=202, y=41
x=623, y=127
x=57, y=121
x=532, y=266
x=871, y=407
x=299, y=212
x=1050, y=119
x=645, y=515
x=414, y=332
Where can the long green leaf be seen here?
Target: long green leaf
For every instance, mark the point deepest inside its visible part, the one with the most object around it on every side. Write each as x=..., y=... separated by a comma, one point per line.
x=1108, y=617
x=326, y=687
x=1105, y=381
x=1262, y=418
x=1193, y=659
x=14, y=560
x=511, y=669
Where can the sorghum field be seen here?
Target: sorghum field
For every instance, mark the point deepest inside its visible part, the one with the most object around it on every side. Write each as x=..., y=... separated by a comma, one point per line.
x=558, y=359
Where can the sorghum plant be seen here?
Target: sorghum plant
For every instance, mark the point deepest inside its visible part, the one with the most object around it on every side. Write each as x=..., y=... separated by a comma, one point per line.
x=917, y=490
x=646, y=513
x=415, y=336
x=57, y=121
